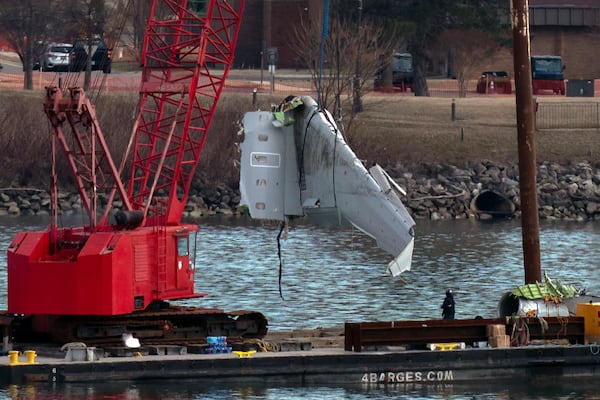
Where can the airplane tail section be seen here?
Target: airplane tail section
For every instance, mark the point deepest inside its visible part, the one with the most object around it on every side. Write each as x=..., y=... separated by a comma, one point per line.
x=295, y=162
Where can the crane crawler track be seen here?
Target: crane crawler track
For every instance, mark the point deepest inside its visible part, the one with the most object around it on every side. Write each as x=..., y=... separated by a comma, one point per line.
x=172, y=325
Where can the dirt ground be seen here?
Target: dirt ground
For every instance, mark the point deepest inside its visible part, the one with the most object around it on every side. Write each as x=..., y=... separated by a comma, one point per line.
x=421, y=129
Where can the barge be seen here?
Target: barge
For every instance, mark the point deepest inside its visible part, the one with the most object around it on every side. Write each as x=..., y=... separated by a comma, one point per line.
x=371, y=354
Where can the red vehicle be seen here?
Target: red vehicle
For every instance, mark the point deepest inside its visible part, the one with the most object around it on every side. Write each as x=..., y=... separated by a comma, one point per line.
x=547, y=74
x=491, y=82
x=116, y=273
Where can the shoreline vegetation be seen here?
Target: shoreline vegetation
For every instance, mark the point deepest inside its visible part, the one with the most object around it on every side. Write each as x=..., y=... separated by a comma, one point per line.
x=442, y=163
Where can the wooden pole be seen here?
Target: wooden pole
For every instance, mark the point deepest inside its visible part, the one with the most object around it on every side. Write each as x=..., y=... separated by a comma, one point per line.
x=526, y=141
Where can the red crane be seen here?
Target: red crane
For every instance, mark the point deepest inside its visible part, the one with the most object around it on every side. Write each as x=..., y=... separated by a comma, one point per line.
x=128, y=262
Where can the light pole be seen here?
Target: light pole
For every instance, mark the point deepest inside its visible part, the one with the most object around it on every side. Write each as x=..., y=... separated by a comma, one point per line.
x=322, y=49
x=358, y=107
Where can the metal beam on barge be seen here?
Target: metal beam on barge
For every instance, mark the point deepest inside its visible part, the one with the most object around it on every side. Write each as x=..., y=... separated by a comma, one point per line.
x=358, y=335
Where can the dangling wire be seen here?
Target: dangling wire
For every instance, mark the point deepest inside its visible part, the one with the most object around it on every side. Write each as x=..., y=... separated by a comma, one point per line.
x=281, y=228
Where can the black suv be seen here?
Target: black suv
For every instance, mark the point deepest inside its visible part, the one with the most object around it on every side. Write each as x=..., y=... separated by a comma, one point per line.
x=101, y=55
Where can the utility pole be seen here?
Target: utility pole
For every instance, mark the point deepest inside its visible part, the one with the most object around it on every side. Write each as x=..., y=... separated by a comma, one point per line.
x=358, y=106
x=526, y=142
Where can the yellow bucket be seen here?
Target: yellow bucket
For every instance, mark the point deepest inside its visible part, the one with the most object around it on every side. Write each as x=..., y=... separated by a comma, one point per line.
x=30, y=354
x=13, y=356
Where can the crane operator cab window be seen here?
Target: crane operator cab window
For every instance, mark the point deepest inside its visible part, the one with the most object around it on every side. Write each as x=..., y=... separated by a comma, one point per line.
x=186, y=252
x=183, y=246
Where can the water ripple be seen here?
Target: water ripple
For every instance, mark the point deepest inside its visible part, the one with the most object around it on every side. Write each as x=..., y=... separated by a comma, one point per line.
x=333, y=276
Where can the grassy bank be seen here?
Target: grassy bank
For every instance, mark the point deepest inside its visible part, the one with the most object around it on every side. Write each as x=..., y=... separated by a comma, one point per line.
x=421, y=129
x=391, y=129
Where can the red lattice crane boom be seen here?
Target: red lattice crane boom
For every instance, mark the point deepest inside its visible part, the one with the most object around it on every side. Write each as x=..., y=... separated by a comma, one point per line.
x=179, y=93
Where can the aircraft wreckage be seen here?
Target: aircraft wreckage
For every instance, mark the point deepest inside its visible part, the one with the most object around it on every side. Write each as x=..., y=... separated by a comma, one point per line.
x=295, y=162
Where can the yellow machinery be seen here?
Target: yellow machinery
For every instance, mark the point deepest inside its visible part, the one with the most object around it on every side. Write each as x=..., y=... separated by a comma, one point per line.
x=591, y=315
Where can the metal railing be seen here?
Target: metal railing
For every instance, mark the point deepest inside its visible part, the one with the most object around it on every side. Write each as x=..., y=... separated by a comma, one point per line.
x=568, y=115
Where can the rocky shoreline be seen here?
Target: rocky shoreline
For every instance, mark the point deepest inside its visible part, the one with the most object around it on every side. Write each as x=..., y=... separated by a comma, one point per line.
x=434, y=191
x=442, y=191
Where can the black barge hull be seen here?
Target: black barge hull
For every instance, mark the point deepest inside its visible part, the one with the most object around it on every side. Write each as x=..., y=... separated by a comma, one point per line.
x=327, y=366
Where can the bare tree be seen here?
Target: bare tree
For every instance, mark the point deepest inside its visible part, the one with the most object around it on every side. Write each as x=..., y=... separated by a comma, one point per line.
x=84, y=20
x=471, y=50
x=141, y=10
x=91, y=19
x=26, y=25
x=346, y=46
x=423, y=21
x=86, y=17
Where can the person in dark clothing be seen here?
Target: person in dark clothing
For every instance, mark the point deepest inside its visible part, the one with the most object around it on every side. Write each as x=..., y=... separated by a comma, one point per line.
x=448, y=305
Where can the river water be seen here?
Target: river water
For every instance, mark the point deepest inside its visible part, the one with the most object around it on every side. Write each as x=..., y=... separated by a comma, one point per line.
x=333, y=276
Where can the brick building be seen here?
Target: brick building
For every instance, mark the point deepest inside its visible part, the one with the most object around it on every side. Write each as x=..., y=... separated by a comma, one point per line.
x=570, y=29
x=268, y=24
